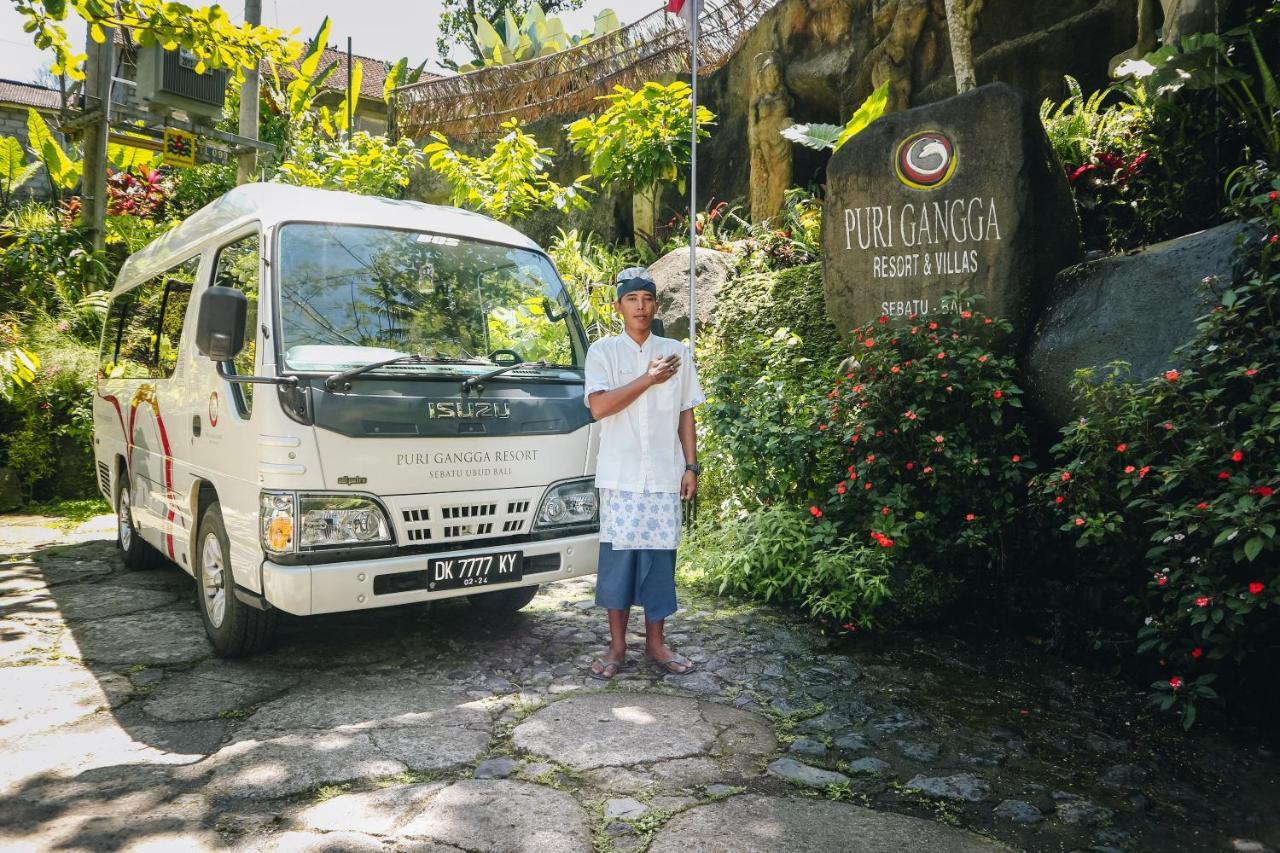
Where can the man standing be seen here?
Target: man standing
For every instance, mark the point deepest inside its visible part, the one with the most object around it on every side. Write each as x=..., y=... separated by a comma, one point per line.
x=642, y=389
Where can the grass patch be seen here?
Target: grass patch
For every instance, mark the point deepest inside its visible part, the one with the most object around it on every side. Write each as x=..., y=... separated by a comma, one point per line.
x=69, y=512
x=328, y=792
x=234, y=714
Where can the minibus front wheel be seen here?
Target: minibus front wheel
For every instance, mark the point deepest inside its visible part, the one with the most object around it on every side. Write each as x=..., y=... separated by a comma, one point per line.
x=234, y=628
x=138, y=555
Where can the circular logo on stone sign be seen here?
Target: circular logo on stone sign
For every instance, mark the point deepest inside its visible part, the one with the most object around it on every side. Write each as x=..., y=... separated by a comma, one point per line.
x=213, y=409
x=925, y=160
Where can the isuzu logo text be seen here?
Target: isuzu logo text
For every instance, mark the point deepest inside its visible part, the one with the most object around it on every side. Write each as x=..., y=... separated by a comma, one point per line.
x=469, y=409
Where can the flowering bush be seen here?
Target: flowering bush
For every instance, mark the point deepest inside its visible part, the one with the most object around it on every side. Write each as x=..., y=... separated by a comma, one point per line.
x=935, y=450
x=1181, y=473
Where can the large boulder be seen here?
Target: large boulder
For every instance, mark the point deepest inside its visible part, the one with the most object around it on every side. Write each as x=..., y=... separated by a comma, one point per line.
x=671, y=273
x=964, y=193
x=1136, y=308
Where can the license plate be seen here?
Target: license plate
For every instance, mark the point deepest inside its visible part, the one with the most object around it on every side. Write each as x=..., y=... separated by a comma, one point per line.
x=478, y=570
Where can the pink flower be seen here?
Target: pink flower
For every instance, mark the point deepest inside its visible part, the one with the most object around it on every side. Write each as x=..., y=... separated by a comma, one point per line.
x=969, y=517
x=1202, y=601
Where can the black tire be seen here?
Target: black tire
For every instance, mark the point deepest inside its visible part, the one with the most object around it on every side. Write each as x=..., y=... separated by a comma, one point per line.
x=503, y=602
x=235, y=628
x=138, y=555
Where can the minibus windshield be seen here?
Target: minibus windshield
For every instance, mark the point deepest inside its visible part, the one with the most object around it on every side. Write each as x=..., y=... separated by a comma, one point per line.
x=352, y=295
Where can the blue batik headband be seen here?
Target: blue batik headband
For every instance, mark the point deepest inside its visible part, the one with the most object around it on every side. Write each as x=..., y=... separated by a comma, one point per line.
x=636, y=278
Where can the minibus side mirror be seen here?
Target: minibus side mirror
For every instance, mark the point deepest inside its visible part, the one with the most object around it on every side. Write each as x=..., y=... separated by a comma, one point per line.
x=220, y=325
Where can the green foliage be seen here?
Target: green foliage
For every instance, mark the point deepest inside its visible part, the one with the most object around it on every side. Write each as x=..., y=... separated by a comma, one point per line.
x=365, y=164
x=1112, y=119
x=46, y=425
x=643, y=138
x=770, y=348
x=458, y=24
x=589, y=268
x=1178, y=474
x=775, y=554
x=831, y=137
x=193, y=188
x=13, y=163
x=506, y=41
x=206, y=31
x=63, y=171
x=44, y=264
x=510, y=182
x=929, y=421
x=18, y=367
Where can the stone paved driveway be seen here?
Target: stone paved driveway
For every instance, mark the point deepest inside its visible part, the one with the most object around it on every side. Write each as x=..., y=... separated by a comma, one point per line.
x=425, y=729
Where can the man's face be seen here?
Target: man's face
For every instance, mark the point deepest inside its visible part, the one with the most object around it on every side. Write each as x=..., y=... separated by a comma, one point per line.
x=637, y=310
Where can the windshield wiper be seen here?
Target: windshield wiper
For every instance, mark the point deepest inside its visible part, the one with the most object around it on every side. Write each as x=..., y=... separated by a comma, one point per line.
x=476, y=383
x=341, y=381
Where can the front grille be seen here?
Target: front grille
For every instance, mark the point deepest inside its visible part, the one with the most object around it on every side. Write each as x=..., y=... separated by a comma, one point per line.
x=456, y=530
x=468, y=510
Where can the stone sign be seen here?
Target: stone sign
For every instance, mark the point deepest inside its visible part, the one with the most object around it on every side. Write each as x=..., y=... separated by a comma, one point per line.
x=964, y=193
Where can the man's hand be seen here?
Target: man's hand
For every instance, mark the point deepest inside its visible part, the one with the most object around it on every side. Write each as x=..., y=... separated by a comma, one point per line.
x=688, y=486
x=662, y=369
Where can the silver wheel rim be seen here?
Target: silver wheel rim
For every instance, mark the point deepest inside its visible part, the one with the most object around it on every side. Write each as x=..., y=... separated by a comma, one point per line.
x=213, y=580
x=124, y=520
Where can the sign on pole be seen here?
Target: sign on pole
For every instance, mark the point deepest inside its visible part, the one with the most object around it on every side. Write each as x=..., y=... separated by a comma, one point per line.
x=179, y=148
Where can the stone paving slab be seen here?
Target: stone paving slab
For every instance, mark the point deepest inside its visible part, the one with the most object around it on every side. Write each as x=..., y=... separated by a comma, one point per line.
x=379, y=812
x=82, y=602
x=760, y=824
x=216, y=687
x=35, y=698
x=295, y=763
x=615, y=728
x=139, y=639
x=503, y=816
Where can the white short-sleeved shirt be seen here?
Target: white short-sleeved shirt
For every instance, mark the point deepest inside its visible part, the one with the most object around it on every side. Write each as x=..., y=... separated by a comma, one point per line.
x=640, y=446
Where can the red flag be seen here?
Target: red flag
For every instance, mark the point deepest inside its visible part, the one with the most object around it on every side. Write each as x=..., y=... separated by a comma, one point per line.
x=685, y=9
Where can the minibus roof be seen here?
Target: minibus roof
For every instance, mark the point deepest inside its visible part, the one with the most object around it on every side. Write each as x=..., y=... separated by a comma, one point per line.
x=271, y=204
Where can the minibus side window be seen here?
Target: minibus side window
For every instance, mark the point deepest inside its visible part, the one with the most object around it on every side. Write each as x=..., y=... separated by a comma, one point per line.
x=173, y=311
x=107, y=355
x=238, y=266
x=141, y=324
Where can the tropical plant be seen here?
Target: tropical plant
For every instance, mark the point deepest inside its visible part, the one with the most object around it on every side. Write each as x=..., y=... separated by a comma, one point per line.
x=13, y=167
x=458, y=22
x=507, y=41
x=643, y=137
x=18, y=366
x=63, y=169
x=589, y=267
x=1177, y=475
x=510, y=182
x=364, y=164
x=1113, y=119
x=206, y=31
x=832, y=136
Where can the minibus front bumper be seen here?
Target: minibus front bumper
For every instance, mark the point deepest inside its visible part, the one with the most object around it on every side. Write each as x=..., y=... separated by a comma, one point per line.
x=337, y=587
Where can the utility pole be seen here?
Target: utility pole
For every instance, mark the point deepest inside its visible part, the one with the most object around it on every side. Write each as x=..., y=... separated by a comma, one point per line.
x=93, y=180
x=250, y=91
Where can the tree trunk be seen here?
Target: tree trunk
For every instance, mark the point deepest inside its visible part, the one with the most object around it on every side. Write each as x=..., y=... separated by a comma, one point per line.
x=961, y=47
x=644, y=213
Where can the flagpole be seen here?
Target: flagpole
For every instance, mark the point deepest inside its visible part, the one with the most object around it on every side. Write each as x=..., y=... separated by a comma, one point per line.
x=693, y=182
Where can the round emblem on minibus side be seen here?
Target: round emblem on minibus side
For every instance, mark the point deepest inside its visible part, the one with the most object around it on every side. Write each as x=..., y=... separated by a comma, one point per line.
x=213, y=409
x=925, y=160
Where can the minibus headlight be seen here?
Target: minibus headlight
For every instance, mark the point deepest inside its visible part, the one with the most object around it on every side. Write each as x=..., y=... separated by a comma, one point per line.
x=569, y=503
x=276, y=512
x=326, y=520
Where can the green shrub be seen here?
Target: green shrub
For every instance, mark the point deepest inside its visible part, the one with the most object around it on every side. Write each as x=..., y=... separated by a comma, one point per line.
x=775, y=554
x=761, y=364
x=48, y=423
x=1178, y=476
x=45, y=264
x=936, y=453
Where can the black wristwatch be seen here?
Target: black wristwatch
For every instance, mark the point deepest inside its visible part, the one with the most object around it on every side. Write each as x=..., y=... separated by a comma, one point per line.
x=694, y=467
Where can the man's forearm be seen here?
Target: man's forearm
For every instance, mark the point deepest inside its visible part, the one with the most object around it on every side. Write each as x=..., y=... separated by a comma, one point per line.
x=688, y=437
x=606, y=403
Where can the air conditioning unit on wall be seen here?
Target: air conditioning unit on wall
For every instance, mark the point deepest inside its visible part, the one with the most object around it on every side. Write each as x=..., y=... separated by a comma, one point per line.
x=167, y=80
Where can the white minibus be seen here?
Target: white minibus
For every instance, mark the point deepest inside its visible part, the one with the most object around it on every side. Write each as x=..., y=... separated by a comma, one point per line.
x=316, y=402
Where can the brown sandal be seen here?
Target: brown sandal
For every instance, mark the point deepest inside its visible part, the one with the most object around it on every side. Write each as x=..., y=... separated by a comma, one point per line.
x=677, y=664
x=604, y=670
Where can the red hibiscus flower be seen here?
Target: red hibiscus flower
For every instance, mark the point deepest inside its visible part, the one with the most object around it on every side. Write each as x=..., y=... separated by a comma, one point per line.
x=1079, y=521
x=1176, y=682
x=815, y=512
x=1121, y=447
x=1256, y=587
x=969, y=517
x=1172, y=375
x=1197, y=653
x=1066, y=475
x=1202, y=601
x=997, y=393
x=1016, y=458
x=1129, y=469
x=1262, y=491
x=1237, y=456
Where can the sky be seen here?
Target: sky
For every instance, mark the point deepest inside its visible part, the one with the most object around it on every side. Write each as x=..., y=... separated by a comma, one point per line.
x=386, y=29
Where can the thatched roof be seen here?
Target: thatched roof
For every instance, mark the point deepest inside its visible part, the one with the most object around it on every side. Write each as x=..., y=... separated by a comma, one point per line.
x=471, y=106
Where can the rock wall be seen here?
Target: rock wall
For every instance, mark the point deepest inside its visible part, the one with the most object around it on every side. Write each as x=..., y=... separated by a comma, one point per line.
x=835, y=52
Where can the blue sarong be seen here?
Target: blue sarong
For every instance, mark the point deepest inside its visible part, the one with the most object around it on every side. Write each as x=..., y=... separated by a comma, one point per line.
x=643, y=576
